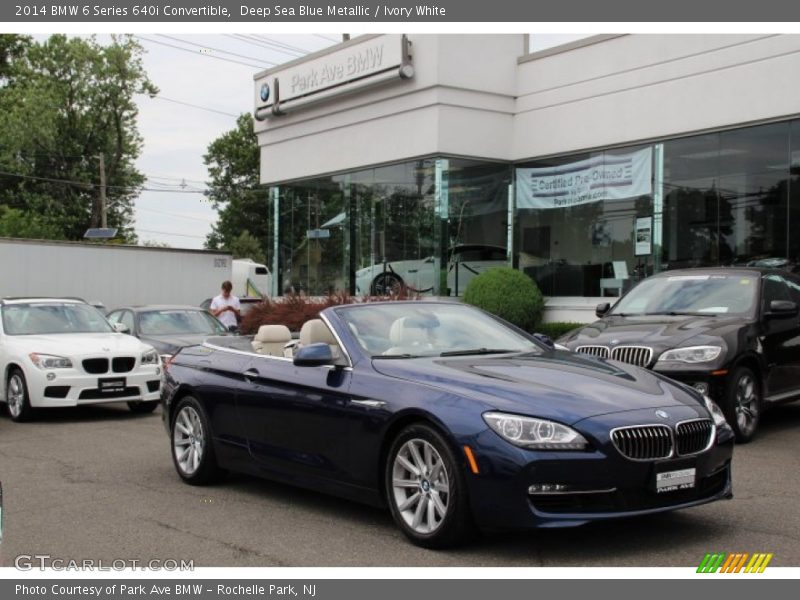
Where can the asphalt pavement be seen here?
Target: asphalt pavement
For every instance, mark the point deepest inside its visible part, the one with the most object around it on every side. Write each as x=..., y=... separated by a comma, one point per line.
x=98, y=483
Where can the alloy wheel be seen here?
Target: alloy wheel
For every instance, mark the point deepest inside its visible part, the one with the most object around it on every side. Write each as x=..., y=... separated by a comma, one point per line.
x=420, y=486
x=188, y=440
x=746, y=403
x=16, y=395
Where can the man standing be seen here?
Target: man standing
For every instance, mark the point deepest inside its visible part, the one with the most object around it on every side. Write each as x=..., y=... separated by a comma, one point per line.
x=226, y=306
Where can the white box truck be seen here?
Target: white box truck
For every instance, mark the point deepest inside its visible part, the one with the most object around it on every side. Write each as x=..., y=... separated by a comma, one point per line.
x=113, y=275
x=250, y=279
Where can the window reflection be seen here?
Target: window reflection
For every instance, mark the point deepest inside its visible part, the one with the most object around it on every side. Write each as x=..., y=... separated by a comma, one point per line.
x=726, y=197
x=580, y=241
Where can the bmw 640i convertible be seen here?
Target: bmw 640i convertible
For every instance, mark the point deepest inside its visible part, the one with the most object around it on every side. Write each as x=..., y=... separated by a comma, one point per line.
x=453, y=418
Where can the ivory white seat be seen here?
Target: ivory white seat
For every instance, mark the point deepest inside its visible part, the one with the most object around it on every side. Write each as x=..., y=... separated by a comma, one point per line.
x=271, y=339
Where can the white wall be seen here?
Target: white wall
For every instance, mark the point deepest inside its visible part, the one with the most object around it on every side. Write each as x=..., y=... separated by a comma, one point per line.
x=640, y=87
x=460, y=101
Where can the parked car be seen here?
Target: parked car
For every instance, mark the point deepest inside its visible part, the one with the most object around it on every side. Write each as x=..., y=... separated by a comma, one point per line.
x=167, y=328
x=450, y=416
x=63, y=352
x=732, y=333
x=464, y=263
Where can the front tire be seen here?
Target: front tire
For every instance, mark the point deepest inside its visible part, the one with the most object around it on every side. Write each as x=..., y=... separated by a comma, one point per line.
x=426, y=489
x=141, y=407
x=742, y=406
x=17, y=398
x=192, y=446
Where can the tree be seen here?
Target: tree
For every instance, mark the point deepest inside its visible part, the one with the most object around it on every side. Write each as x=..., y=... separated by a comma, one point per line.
x=16, y=224
x=233, y=161
x=64, y=103
x=154, y=244
x=12, y=47
x=246, y=245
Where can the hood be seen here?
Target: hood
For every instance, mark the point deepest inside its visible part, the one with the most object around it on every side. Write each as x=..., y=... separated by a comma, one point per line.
x=81, y=344
x=662, y=331
x=170, y=344
x=562, y=386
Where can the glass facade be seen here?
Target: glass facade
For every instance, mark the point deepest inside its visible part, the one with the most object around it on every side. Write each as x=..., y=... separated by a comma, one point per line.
x=726, y=197
x=717, y=199
x=429, y=225
x=581, y=225
x=576, y=218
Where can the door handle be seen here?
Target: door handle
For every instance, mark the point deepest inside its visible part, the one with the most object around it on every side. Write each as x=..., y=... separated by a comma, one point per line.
x=250, y=374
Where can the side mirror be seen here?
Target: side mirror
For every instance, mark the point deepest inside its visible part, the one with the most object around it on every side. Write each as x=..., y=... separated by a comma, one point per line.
x=602, y=309
x=313, y=355
x=121, y=328
x=233, y=328
x=545, y=339
x=781, y=309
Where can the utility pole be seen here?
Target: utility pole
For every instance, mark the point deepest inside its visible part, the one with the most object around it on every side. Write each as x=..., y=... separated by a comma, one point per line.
x=103, y=203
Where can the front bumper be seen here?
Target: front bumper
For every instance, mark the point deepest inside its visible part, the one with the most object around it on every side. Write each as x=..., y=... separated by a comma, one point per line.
x=71, y=387
x=601, y=483
x=705, y=382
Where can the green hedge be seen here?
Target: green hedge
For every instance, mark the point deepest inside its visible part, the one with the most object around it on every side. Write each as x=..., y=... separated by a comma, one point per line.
x=556, y=329
x=509, y=294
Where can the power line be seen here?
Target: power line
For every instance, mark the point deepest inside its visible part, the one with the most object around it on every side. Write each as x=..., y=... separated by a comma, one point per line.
x=173, y=177
x=270, y=46
x=199, y=237
x=205, y=108
x=325, y=37
x=229, y=60
x=95, y=185
x=182, y=41
x=242, y=38
x=171, y=214
x=275, y=42
x=92, y=157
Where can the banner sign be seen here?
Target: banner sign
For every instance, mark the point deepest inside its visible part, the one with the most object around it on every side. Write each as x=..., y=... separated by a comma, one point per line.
x=604, y=177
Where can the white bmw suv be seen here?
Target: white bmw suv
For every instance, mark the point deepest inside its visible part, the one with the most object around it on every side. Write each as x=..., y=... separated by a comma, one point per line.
x=63, y=352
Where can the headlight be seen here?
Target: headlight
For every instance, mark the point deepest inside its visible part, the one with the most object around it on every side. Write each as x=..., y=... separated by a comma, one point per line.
x=716, y=412
x=536, y=434
x=150, y=358
x=692, y=354
x=48, y=361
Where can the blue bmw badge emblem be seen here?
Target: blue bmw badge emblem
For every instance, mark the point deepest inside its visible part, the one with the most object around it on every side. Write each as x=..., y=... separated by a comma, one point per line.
x=264, y=93
x=662, y=414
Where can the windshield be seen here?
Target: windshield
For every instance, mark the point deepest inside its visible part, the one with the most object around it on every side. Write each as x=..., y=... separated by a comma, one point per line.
x=406, y=330
x=40, y=318
x=179, y=322
x=691, y=294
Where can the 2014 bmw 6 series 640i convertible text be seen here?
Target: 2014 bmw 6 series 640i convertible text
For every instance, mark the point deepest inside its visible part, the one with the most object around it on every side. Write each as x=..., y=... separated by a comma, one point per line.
x=453, y=418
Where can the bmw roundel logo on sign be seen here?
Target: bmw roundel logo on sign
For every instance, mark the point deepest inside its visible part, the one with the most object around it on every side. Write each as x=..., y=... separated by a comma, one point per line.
x=264, y=92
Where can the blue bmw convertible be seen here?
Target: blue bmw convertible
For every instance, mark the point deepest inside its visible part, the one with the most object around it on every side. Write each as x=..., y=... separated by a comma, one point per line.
x=456, y=420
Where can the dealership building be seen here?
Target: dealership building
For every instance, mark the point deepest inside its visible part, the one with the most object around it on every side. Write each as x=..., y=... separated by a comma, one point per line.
x=424, y=159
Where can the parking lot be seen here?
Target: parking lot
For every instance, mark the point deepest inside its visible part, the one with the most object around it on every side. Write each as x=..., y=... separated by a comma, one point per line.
x=98, y=482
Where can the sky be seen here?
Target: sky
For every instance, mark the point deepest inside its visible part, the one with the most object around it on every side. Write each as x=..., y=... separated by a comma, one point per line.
x=214, y=73
x=189, y=69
